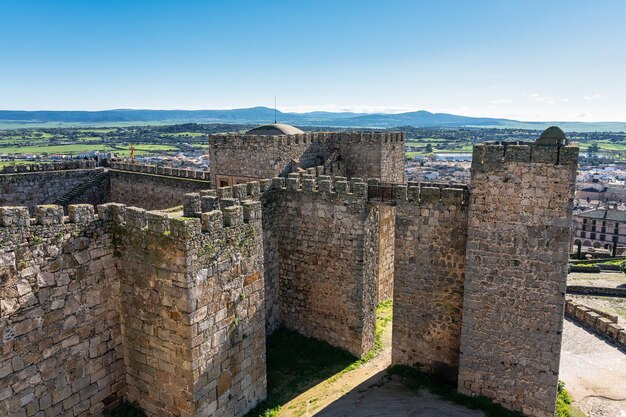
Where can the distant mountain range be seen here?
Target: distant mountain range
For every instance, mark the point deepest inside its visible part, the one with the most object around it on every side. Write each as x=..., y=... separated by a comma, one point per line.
x=262, y=115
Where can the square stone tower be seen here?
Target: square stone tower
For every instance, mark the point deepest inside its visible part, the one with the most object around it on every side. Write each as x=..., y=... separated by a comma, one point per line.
x=516, y=271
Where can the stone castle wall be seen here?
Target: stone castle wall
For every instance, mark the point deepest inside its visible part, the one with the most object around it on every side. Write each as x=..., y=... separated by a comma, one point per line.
x=172, y=312
x=326, y=282
x=515, y=279
x=227, y=285
x=154, y=188
x=365, y=155
x=132, y=305
x=192, y=296
x=430, y=240
x=260, y=157
x=61, y=346
x=30, y=188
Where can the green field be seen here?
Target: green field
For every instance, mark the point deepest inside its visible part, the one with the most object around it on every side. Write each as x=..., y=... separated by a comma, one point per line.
x=78, y=148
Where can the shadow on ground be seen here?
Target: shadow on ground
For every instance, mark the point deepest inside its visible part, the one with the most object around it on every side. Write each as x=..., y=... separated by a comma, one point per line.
x=384, y=395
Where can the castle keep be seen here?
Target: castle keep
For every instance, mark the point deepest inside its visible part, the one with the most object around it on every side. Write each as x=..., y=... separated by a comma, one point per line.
x=160, y=286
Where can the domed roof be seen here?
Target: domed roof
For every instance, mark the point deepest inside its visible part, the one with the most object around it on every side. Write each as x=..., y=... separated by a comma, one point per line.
x=275, y=129
x=552, y=136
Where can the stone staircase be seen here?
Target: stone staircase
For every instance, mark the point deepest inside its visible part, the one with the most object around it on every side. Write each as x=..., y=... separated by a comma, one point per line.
x=81, y=188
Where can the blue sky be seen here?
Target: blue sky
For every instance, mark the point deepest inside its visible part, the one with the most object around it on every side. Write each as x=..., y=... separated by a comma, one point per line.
x=525, y=59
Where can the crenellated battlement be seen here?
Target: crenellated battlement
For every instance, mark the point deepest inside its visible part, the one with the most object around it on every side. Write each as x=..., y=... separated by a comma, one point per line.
x=493, y=155
x=432, y=193
x=160, y=170
x=305, y=138
x=211, y=222
x=46, y=215
x=322, y=184
x=48, y=166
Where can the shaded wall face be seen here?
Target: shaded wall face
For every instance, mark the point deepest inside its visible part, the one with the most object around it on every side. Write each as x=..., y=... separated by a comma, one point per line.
x=430, y=240
x=152, y=192
x=61, y=347
x=386, y=251
x=362, y=159
x=32, y=188
x=517, y=255
x=270, y=259
x=327, y=252
x=157, y=332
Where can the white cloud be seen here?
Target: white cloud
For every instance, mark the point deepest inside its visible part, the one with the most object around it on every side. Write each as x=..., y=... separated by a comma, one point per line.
x=501, y=101
x=593, y=97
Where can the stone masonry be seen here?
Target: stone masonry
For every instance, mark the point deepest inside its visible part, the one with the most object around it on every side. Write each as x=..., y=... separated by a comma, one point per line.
x=520, y=214
x=171, y=309
x=327, y=263
x=364, y=155
x=29, y=188
x=132, y=305
x=430, y=240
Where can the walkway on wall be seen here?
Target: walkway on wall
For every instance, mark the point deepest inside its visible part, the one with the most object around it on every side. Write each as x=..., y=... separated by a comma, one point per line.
x=594, y=372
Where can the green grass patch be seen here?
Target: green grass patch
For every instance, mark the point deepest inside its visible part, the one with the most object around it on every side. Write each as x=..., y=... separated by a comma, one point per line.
x=564, y=406
x=54, y=149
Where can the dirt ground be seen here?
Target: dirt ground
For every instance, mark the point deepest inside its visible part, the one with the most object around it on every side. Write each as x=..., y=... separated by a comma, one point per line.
x=594, y=372
x=611, y=305
x=601, y=279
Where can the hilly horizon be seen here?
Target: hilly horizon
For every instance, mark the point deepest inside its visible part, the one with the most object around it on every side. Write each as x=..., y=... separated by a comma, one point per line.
x=263, y=115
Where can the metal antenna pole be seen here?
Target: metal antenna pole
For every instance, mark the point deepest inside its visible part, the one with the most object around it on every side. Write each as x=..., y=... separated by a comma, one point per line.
x=274, y=108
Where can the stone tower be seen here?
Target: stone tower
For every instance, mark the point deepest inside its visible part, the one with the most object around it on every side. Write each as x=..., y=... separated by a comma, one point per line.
x=516, y=271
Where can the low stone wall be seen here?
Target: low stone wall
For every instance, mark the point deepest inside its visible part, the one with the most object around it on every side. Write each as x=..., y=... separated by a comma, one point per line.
x=32, y=187
x=597, y=322
x=162, y=170
x=49, y=166
x=150, y=190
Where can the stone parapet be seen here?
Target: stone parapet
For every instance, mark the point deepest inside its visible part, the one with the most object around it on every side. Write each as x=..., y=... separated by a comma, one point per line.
x=165, y=171
x=323, y=185
x=46, y=215
x=306, y=138
x=48, y=166
x=493, y=155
